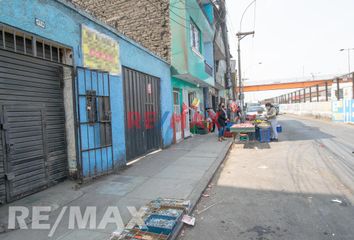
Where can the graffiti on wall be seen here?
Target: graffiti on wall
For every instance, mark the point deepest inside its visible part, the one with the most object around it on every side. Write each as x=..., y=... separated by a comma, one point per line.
x=100, y=52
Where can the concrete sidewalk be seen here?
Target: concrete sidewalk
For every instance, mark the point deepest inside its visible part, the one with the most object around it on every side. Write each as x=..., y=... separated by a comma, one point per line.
x=181, y=171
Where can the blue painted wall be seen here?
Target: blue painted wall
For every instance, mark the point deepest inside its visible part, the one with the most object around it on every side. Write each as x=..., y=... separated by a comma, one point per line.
x=209, y=53
x=209, y=12
x=63, y=25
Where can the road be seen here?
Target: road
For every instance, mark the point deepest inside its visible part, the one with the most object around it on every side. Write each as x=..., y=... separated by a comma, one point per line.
x=300, y=188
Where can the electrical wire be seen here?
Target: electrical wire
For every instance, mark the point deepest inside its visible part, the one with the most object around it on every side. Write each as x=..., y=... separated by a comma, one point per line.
x=152, y=4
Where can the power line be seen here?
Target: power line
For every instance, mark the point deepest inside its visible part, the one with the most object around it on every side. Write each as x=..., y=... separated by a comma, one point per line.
x=152, y=4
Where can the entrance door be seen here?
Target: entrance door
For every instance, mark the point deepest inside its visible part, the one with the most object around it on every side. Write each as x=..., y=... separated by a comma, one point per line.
x=24, y=143
x=96, y=151
x=177, y=115
x=142, y=113
x=33, y=143
x=186, y=130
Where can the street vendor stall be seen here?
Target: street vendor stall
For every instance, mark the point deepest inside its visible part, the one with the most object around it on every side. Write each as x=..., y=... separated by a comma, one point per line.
x=242, y=128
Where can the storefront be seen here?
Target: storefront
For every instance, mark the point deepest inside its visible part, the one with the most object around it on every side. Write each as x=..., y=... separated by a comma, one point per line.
x=62, y=101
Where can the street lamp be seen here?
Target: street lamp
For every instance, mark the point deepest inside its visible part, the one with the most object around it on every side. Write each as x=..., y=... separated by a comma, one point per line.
x=347, y=49
x=240, y=35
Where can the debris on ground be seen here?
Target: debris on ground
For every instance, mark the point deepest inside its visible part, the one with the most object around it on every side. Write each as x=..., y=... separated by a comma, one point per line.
x=206, y=208
x=189, y=220
x=336, y=201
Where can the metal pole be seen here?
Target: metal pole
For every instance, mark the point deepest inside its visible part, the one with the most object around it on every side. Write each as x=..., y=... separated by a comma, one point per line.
x=239, y=72
x=240, y=36
x=310, y=95
x=318, y=92
x=299, y=96
x=338, y=89
x=326, y=86
x=349, y=59
x=352, y=85
x=304, y=95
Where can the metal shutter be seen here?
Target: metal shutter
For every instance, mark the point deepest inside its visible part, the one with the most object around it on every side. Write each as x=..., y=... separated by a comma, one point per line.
x=33, y=132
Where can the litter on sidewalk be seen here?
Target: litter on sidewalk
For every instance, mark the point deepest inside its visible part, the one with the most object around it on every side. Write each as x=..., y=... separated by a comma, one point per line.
x=189, y=220
x=336, y=201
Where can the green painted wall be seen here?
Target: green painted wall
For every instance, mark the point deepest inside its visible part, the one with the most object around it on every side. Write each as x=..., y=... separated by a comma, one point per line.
x=180, y=84
x=184, y=58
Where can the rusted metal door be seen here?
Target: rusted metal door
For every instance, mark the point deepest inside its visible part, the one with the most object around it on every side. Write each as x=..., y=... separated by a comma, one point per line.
x=142, y=113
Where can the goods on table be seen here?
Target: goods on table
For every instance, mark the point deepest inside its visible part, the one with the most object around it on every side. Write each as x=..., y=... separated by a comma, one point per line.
x=243, y=128
x=174, y=203
x=243, y=125
x=263, y=125
x=258, y=121
x=170, y=212
x=160, y=224
x=161, y=218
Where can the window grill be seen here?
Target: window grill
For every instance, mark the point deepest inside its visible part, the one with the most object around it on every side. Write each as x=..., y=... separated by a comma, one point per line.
x=24, y=43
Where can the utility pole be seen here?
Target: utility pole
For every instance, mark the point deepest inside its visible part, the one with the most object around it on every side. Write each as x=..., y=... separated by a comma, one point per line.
x=221, y=24
x=227, y=48
x=347, y=49
x=240, y=36
x=352, y=85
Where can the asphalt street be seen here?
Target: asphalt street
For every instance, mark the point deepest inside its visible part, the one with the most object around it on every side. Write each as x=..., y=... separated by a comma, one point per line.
x=300, y=188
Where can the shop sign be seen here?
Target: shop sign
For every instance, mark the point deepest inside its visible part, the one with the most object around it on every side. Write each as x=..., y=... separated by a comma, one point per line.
x=100, y=51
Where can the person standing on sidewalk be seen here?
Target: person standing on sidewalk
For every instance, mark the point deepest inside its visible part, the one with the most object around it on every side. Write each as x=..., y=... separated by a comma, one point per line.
x=222, y=119
x=272, y=118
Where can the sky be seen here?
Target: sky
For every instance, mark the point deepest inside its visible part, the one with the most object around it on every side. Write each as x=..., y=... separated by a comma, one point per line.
x=294, y=39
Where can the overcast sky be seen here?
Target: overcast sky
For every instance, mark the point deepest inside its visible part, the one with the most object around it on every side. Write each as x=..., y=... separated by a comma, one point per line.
x=294, y=38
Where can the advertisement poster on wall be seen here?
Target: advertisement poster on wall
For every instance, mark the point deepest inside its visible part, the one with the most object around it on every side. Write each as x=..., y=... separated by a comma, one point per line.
x=343, y=110
x=100, y=51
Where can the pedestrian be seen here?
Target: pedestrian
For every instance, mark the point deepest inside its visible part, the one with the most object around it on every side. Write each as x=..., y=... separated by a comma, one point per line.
x=212, y=119
x=222, y=119
x=272, y=118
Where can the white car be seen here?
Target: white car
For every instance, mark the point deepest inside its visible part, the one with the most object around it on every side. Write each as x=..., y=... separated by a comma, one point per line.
x=253, y=112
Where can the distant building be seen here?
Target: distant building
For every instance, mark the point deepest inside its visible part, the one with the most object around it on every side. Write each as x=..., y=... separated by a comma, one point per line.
x=77, y=99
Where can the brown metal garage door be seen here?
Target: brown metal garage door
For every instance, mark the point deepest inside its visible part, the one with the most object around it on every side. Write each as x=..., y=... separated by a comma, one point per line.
x=33, y=147
x=142, y=113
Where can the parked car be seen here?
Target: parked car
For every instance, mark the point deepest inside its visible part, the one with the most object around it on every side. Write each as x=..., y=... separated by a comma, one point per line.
x=253, y=112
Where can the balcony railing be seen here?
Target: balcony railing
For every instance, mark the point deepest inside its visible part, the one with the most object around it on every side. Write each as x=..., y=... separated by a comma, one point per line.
x=208, y=69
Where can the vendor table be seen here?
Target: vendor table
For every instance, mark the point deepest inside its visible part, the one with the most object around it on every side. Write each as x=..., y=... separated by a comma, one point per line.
x=237, y=129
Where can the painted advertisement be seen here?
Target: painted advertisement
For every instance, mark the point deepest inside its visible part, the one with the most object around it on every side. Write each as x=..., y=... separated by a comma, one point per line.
x=100, y=52
x=343, y=110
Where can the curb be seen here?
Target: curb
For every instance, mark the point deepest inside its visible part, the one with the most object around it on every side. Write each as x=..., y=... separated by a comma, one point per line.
x=203, y=184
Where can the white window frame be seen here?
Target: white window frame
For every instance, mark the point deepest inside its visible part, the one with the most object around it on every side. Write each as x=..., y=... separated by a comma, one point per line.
x=195, y=35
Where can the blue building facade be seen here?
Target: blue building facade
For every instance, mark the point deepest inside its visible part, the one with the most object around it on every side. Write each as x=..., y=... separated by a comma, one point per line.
x=61, y=23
